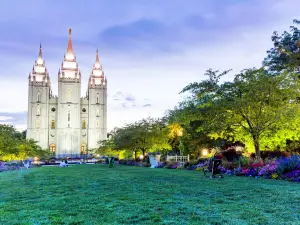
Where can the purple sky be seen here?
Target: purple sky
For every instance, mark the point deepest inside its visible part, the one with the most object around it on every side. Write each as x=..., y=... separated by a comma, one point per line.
x=149, y=49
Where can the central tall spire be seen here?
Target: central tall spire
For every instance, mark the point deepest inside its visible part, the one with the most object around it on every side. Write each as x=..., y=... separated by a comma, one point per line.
x=70, y=48
x=69, y=67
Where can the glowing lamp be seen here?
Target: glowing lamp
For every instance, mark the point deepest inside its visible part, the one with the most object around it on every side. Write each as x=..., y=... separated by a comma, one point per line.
x=204, y=152
x=141, y=156
x=180, y=133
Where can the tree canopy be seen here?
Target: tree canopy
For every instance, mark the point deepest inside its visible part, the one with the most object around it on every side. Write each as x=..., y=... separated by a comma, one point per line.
x=15, y=146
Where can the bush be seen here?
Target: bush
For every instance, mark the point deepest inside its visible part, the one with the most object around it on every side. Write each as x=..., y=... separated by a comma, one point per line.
x=244, y=161
x=288, y=164
x=268, y=169
x=172, y=165
x=231, y=155
x=272, y=154
x=190, y=164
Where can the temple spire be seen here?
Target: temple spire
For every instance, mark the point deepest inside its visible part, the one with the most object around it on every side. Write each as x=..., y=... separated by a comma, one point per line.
x=97, y=57
x=70, y=48
x=40, y=53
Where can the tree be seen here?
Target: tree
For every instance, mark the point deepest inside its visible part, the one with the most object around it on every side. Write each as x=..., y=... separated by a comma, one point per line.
x=285, y=54
x=144, y=135
x=14, y=146
x=254, y=105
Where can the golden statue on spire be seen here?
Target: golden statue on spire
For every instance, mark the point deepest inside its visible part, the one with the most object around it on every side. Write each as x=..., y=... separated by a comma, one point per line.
x=70, y=31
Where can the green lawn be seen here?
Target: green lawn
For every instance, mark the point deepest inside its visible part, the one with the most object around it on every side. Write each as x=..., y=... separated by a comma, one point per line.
x=96, y=194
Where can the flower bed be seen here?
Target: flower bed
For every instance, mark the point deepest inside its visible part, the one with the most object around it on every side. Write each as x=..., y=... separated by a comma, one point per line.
x=284, y=168
x=10, y=166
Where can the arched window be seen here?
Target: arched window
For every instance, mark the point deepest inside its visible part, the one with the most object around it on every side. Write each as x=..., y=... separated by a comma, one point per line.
x=69, y=118
x=52, y=124
x=52, y=148
x=97, y=100
x=69, y=95
x=83, y=124
x=83, y=149
x=38, y=97
x=38, y=110
x=97, y=123
x=97, y=113
x=37, y=123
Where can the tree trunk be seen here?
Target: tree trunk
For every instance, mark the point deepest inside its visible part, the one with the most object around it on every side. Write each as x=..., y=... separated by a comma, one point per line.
x=135, y=155
x=143, y=151
x=256, y=145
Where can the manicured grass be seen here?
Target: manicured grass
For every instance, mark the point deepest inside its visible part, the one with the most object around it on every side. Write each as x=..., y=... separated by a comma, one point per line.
x=96, y=194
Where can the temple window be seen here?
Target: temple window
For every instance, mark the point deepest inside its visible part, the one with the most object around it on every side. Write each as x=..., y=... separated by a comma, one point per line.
x=69, y=95
x=97, y=123
x=69, y=118
x=38, y=110
x=83, y=124
x=52, y=148
x=38, y=97
x=52, y=124
x=97, y=113
x=37, y=125
x=97, y=100
x=83, y=149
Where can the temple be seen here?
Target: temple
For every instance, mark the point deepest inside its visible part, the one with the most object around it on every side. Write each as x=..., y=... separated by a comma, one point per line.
x=67, y=124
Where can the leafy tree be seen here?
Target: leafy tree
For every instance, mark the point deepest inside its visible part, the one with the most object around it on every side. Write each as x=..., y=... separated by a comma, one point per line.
x=14, y=146
x=253, y=106
x=144, y=135
x=285, y=54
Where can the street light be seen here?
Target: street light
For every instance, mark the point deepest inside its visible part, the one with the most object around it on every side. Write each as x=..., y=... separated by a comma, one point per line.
x=204, y=152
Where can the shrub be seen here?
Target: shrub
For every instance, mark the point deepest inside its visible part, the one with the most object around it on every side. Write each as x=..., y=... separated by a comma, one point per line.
x=293, y=175
x=180, y=167
x=162, y=164
x=172, y=165
x=268, y=169
x=229, y=165
x=231, y=155
x=189, y=164
x=244, y=161
x=288, y=164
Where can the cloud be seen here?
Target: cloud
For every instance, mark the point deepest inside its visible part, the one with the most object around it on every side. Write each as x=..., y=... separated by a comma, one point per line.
x=130, y=98
x=17, y=119
x=5, y=118
x=120, y=96
x=6, y=123
x=173, y=44
x=147, y=105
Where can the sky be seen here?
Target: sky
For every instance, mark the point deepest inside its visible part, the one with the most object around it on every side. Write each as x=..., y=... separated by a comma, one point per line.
x=150, y=50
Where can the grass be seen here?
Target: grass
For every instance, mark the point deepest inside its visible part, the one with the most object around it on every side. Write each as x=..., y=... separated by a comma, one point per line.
x=96, y=194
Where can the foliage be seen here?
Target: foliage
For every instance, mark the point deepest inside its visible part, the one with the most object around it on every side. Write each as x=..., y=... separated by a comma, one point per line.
x=15, y=146
x=144, y=135
x=285, y=54
x=288, y=164
x=252, y=107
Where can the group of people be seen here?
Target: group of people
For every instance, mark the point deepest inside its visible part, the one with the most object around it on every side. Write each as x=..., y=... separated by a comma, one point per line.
x=64, y=163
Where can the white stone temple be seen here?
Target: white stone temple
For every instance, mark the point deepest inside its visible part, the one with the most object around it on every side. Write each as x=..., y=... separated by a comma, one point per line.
x=67, y=124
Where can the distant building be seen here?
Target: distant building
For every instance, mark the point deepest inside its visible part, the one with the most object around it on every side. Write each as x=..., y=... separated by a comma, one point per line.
x=68, y=123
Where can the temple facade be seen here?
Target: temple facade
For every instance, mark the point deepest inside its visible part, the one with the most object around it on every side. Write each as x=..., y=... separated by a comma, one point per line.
x=67, y=124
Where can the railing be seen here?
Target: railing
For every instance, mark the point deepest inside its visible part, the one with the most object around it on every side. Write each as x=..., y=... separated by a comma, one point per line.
x=178, y=158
